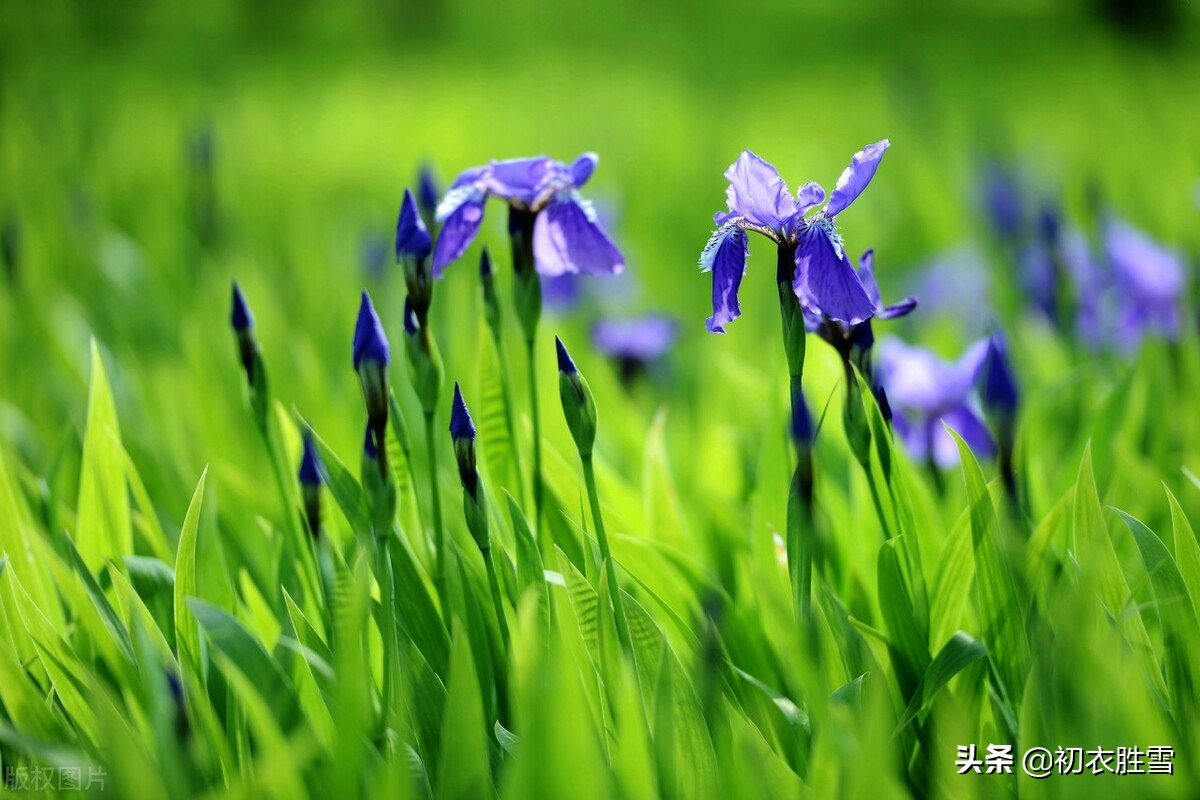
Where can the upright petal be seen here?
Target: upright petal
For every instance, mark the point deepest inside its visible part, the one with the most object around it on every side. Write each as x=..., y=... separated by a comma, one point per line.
x=583, y=168
x=458, y=231
x=825, y=281
x=809, y=195
x=520, y=179
x=866, y=274
x=856, y=177
x=725, y=257
x=757, y=193
x=566, y=238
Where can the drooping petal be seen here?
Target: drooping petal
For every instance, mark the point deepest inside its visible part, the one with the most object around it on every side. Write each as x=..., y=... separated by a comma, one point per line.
x=725, y=257
x=856, y=177
x=757, y=193
x=566, y=238
x=809, y=195
x=520, y=179
x=583, y=168
x=825, y=282
x=458, y=230
x=895, y=310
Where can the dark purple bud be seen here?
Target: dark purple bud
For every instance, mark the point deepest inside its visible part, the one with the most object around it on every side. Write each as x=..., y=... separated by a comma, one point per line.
x=370, y=342
x=370, y=447
x=310, y=464
x=1000, y=393
x=241, y=317
x=461, y=426
x=802, y=422
x=427, y=192
x=485, y=264
x=881, y=398
x=412, y=237
x=565, y=365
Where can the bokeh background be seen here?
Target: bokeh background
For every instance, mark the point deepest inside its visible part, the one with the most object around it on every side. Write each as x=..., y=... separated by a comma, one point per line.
x=314, y=117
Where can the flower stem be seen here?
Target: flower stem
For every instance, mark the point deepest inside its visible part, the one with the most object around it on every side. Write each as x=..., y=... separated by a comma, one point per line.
x=544, y=533
x=387, y=621
x=497, y=598
x=589, y=477
x=439, y=532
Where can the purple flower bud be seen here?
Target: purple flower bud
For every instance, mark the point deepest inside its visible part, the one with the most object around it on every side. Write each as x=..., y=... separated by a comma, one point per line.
x=485, y=264
x=802, y=421
x=461, y=426
x=310, y=464
x=427, y=192
x=565, y=365
x=370, y=342
x=241, y=317
x=410, y=318
x=412, y=237
x=1000, y=393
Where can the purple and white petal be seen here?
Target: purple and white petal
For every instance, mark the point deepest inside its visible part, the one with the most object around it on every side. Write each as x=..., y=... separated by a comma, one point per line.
x=856, y=177
x=725, y=257
x=825, y=281
x=566, y=238
x=458, y=229
x=757, y=193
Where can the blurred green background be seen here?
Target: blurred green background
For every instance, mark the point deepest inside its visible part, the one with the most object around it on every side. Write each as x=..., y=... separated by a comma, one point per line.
x=322, y=113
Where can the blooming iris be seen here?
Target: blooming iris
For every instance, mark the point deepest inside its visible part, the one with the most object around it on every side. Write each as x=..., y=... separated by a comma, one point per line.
x=566, y=235
x=1149, y=279
x=811, y=253
x=926, y=391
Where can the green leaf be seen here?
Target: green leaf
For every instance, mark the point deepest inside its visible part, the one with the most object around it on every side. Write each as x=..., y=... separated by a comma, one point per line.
x=464, y=771
x=952, y=584
x=907, y=634
x=1098, y=561
x=416, y=611
x=230, y=637
x=103, y=525
x=530, y=570
x=958, y=653
x=1187, y=551
x=187, y=636
x=1000, y=607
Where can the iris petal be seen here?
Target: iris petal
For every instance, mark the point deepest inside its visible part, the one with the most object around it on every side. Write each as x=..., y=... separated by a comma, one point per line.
x=757, y=193
x=856, y=177
x=725, y=257
x=459, y=228
x=825, y=281
x=583, y=168
x=520, y=179
x=566, y=238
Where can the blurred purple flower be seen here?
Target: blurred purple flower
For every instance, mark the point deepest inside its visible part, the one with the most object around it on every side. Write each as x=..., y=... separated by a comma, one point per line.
x=638, y=339
x=1149, y=280
x=1001, y=196
x=956, y=282
x=561, y=292
x=824, y=280
x=427, y=193
x=566, y=235
x=925, y=391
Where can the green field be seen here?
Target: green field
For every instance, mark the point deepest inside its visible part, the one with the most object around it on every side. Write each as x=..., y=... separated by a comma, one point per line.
x=169, y=627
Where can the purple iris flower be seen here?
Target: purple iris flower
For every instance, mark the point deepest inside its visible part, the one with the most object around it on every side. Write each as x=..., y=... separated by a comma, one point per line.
x=566, y=235
x=854, y=341
x=638, y=339
x=823, y=279
x=427, y=193
x=561, y=292
x=1149, y=280
x=1002, y=199
x=925, y=391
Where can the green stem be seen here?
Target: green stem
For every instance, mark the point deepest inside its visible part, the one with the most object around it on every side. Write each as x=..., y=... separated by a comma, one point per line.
x=506, y=395
x=799, y=534
x=300, y=541
x=439, y=531
x=589, y=477
x=877, y=501
x=543, y=532
x=387, y=622
x=497, y=598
